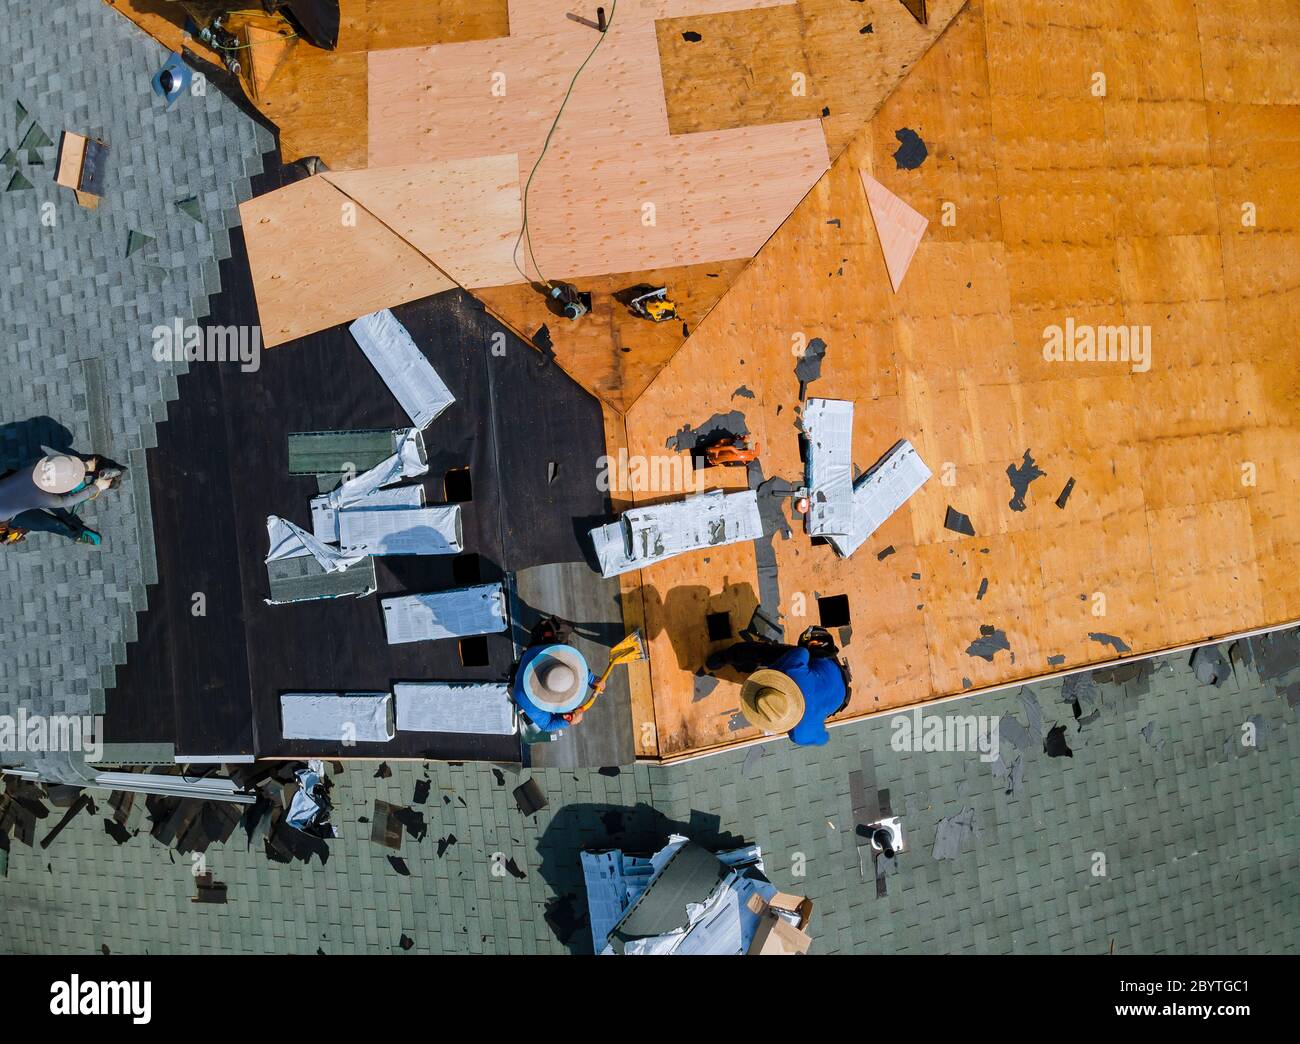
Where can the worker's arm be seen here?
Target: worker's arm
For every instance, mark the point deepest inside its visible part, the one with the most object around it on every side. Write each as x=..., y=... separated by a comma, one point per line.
x=77, y=496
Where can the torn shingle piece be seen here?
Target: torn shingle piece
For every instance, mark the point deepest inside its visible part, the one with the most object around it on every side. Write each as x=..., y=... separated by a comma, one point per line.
x=289, y=541
x=480, y=708
x=353, y=717
x=651, y=534
x=828, y=425
x=958, y=522
x=409, y=375
x=400, y=531
x=880, y=492
x=458, y=613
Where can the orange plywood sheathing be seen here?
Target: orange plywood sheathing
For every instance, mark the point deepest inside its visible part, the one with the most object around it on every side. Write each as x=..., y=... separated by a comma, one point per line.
x=735, y=69
x=318, y=260
x=898, y=227
x=1183, y=521
x=268, y=46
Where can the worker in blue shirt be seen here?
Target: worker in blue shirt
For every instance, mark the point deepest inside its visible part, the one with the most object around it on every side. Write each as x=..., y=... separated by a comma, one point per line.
x=797, y=687
x=551, y=684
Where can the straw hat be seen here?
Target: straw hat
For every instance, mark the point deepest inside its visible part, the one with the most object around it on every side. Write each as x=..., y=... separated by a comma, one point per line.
x=555, y=680
x=59, y=473
x=771, y=700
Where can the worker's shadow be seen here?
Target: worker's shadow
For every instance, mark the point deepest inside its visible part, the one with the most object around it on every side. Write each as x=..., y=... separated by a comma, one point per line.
x=24, y=442
x=639, y=830
x=694, y=618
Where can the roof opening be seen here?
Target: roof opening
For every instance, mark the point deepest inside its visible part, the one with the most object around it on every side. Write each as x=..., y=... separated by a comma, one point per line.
x=457, y=486
x=719, y=625
x=834, y=610
x=474, y=651
x=465, y=569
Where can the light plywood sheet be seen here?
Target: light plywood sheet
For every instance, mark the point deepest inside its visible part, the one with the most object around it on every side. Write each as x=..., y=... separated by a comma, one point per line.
x=312, y=271
x=464, y=214
x=716, y=196
x=898, y=227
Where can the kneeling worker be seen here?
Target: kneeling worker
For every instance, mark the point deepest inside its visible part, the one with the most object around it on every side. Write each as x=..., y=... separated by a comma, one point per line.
x=797, y=690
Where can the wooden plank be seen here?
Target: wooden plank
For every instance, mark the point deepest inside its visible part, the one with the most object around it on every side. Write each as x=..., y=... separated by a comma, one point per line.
x=72, y=150
x=311, y=270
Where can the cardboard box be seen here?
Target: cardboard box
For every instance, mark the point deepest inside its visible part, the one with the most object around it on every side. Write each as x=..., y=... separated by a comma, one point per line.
x=775, y=934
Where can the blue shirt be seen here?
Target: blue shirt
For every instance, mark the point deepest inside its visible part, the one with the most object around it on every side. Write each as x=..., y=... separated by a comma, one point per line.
x=822, y=682
x=544, y=720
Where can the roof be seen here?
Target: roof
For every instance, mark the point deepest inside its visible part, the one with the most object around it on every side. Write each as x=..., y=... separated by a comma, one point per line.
x=1159, y=785
x=76, y=315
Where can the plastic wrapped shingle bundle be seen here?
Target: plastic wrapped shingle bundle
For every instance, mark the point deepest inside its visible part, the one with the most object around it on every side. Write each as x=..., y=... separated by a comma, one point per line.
x=350, y=717
x=828, y=426
x=409, y=375
x=479, y=708
x=643, y=536
x=459, y=613
x=882, y=491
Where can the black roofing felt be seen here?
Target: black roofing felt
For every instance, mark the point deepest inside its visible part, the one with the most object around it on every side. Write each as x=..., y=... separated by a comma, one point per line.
x=221, y=467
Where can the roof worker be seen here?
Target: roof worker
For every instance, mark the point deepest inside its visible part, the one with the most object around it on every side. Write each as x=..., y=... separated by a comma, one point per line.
x=40, y=497
x=552, y=682
x=791, y=689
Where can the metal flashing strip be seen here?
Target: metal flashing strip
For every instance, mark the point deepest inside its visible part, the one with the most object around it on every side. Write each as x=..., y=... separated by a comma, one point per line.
x=481, y=708
x=643, y=536
x=409, y=375
x=353, y=717
x=400, y=531
x=458, y=613
x=882, y=491
x=828, y=425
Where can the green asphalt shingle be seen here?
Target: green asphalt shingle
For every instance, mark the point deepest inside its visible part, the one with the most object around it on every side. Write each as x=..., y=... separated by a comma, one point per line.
x=1177, y=840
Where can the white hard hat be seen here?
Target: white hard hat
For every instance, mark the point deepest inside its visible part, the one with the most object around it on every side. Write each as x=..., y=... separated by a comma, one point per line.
x=59, y=473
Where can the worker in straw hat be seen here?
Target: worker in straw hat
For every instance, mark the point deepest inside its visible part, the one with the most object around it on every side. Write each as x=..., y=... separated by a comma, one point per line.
x=46, y=491
x=552, y=683
x=797, y=688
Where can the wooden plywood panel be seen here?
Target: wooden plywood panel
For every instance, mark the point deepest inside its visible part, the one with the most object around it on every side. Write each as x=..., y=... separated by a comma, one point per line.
x=1156, y=456
x=497, y=96
x=715, y=196
x=610, y=352
x=898, y=227
x=318, y=100
x=416, y=23
x=464, y=214
x=735, y=69
x=312, y=271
